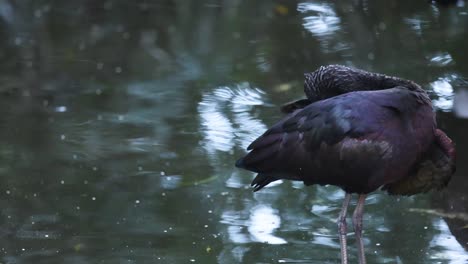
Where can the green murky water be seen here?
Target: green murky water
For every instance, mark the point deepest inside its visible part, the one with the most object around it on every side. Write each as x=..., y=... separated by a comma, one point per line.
x=120, y=122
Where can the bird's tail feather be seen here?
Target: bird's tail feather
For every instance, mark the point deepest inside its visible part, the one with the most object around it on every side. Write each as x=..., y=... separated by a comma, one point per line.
x=261, y=181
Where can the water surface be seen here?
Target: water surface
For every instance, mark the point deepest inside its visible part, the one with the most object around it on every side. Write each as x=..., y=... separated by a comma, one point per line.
x=120, y=123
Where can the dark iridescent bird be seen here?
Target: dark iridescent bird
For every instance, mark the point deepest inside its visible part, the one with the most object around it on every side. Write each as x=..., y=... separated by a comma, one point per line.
x=360, y=131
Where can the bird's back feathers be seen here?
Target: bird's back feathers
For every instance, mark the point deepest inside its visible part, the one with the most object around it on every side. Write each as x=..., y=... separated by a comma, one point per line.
x=347, y=140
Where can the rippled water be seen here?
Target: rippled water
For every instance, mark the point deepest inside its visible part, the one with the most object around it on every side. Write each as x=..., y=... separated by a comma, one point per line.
x=121, y=122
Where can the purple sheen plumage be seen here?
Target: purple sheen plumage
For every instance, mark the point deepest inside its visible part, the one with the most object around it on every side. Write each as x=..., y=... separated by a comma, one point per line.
x=356, y=130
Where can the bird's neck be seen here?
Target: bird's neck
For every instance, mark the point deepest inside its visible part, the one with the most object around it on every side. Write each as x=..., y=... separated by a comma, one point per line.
x=445, y=144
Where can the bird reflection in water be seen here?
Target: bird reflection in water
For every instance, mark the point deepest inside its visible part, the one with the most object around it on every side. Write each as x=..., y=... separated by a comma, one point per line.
x=360, y=131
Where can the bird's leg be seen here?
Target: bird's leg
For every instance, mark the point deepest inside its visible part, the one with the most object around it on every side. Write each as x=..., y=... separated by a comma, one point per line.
x=357, y=223
x=342, y=228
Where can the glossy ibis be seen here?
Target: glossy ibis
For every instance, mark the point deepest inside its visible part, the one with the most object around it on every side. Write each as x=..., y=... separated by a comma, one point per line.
x=357, y=130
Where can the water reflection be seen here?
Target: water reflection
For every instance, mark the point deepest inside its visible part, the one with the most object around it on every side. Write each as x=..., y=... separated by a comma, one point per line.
x=262, y=62
x=460, y=103
x=417, y=24
x=447, y=246
x=262, y=223
x=236, y=226
x=120, y=123
x=444, y=90
x=222, y=131
x=441, y=59
x=259, y=227
x=323, y=22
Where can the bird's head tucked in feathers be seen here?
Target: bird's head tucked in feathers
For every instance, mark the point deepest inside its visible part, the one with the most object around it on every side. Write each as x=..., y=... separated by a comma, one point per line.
x=332, y=80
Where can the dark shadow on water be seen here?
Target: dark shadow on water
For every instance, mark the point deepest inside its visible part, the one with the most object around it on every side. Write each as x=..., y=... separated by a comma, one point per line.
x=453, y=201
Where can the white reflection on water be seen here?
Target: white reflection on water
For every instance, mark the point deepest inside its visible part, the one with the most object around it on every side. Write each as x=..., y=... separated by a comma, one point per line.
x=141, y=144
x=61, y=109
x=324, y=20
x=460, y=103
x=263, y=221
x=226, y=118
x=236, y=226
x=447, y=246
x=235, y=181
x=444, y=90
x=441, y=59
x=170, y=182
x=219, y=132
x=417, y=24
x=262, y=62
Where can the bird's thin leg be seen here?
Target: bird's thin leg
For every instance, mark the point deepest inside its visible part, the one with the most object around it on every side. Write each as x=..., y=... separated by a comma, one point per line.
x=342, y=228
x=357, y=223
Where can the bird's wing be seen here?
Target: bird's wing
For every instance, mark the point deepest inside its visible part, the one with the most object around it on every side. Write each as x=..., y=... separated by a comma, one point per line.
x=434, y=170
x=293, y=142
x=290, y=107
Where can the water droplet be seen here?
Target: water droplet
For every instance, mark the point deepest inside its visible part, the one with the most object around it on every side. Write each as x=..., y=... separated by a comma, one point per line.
x=62, y=137
x=108, y=5
x=119, y=28
x=18, y=41
x=382, y=26
x=38, y=13
x=143, y=6
x=137, y=201
x=93, y=198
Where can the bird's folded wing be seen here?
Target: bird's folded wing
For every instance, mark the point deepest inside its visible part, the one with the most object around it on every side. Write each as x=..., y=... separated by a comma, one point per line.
x=298, y=137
